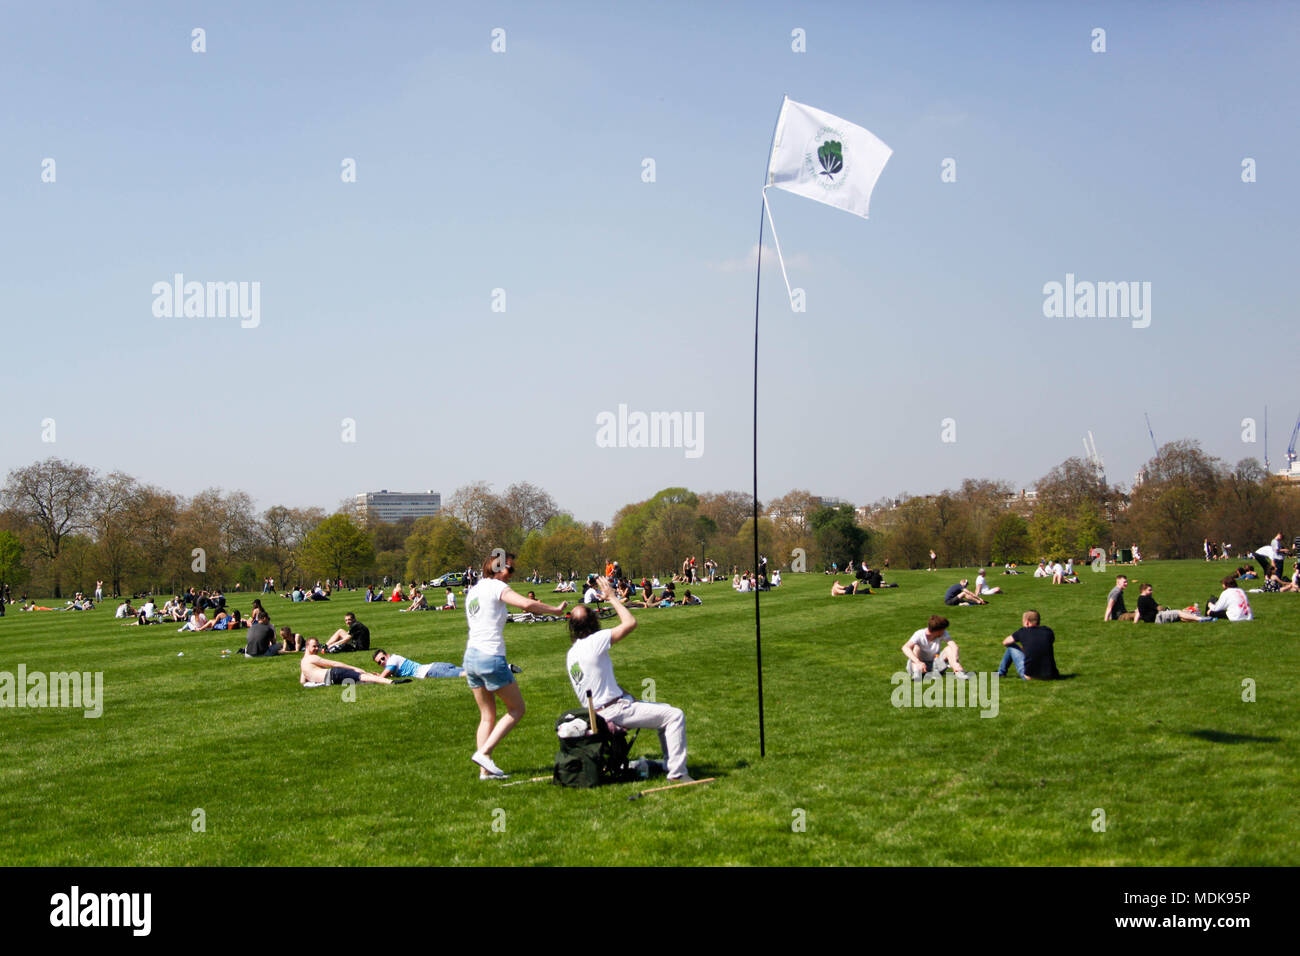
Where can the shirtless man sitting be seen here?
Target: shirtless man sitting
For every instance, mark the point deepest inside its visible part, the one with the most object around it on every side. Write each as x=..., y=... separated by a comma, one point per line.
x=321, y=670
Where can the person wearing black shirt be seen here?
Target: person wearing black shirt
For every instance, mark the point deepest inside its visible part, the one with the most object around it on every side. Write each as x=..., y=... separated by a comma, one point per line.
x=1149, y=612
x=1034, y=657
x=355, y=638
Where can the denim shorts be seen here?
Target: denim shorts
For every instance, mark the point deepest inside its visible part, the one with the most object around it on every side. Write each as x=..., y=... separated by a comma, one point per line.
x=486, y=670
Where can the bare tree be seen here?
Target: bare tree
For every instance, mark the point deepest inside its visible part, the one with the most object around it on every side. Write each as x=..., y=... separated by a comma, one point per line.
x=55, y=496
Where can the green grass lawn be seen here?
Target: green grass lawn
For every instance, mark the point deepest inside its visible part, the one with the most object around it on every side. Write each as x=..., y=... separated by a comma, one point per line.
x=1152, y=729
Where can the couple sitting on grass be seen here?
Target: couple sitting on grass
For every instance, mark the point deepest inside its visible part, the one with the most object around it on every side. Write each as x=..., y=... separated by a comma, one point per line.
x=930, y=651
x=317, y=671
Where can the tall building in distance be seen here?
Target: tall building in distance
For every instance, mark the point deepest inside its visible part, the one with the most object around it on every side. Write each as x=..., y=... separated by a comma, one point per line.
x=393, y=506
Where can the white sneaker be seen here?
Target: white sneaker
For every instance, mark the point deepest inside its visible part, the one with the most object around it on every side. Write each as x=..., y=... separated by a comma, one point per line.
x=486, y=762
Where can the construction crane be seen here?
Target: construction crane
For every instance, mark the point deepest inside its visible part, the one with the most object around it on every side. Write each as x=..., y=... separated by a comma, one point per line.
x=1090, y=449
x=1154, y=447
x=1293, y=467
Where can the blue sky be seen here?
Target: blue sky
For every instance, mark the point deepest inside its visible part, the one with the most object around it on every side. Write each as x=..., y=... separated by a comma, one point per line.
x=522, y=171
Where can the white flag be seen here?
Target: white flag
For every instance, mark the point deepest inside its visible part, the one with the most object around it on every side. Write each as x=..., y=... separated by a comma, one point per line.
x=825, y=158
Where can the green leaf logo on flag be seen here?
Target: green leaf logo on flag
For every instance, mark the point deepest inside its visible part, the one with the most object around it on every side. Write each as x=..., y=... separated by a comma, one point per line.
x=831, y=155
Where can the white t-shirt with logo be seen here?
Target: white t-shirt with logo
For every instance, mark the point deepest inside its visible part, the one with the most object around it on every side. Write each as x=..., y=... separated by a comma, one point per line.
x=590, y=669
x=926, y=649
x=1235, y=602
x=486, y=613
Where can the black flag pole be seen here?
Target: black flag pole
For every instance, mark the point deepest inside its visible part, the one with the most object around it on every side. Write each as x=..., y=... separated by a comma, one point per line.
x=758, y=280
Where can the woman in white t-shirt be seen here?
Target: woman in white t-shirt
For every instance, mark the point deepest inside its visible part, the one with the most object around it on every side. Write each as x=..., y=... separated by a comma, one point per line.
x=485, y=664
x=1232, y=603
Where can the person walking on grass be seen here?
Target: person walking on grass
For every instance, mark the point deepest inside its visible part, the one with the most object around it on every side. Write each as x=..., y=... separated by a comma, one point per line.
x=486, y=670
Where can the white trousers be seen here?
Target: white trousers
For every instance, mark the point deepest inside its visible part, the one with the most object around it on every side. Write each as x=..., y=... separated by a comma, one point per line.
x=669, y=721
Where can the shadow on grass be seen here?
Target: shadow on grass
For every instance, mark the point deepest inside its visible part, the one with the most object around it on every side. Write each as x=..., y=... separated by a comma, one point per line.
x=1221, y=737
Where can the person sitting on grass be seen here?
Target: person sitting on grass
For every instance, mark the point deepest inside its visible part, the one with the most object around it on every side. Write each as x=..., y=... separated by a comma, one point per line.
x=1041, y=571
x=125, y=610
x=982, y=585
x=145, y=614
x=689, y=598
x=959, y=595
x=853, y=587
x=1030, y=649
x=261, y=639
x=450, y=603
x=930, y=651
x=78, y=603
x=197, y=621
x=647, y=599
x=355, y=638
x=399, y=666
x=418, y=603
x=1149, y=612
x=174, y=609
x=317, y=671
x=1247, y=574
x=1115, y=601
x=397, y=595
x=1232, y=605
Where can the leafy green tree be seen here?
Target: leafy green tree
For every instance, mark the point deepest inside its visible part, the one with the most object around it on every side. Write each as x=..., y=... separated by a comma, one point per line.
x=1053, y=535
x=837, y=534
x=337, y=548
x=12, y=569
x=436, y=545
x=1010, y=540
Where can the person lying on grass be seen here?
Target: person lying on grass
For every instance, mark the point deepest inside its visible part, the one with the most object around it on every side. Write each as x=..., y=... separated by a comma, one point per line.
x=930, y=651
x=396, y=664
x=854, y=587
x=315, y=669
x=1149, y=612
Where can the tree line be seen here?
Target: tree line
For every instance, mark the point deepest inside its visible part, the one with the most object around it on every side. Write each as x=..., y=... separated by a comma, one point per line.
x=63, y=526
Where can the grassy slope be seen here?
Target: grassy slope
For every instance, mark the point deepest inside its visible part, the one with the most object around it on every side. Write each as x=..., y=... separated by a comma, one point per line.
x=1152, y=730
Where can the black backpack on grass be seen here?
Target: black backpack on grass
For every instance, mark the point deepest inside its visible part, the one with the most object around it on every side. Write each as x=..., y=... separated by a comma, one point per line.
x=592, y=759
